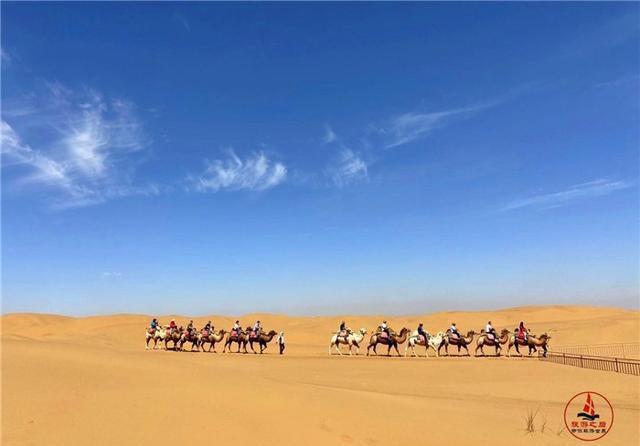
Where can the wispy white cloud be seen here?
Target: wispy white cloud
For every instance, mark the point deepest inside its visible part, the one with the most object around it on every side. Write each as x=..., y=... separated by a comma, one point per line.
x=76, y=142
x=256, y=172
x=408, y=127
x=183, y=21
x=4, y=56
x=592, y=189
x=111, y=275
x=618, y=82
x=349, y=168
x=329, y=135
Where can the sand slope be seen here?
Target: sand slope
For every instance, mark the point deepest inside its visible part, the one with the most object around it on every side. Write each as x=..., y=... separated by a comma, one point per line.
x=80, y=380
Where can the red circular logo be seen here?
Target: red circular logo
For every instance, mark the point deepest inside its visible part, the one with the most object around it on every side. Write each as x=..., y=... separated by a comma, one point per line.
x=588, y=416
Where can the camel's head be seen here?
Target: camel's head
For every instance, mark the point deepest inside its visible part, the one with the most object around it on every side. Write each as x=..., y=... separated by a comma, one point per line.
x=363, y=331
x=441, y=334
x=504, y=331
x=273, y=333
x=471, y=333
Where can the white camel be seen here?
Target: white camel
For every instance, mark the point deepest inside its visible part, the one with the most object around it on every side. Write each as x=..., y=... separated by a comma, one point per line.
x=432, y=341
x=352, y=340
x=158, y=335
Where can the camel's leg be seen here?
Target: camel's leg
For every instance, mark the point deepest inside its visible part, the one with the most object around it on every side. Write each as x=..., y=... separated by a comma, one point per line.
x=406, y=348
x=396, y=347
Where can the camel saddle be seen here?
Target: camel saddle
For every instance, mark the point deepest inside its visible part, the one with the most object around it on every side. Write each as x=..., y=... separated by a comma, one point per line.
x=343, y=333
x=254, y=335
x=205, y=333
x=384, y=335
x=421, y=338
x=234, y=334
x=491, y=337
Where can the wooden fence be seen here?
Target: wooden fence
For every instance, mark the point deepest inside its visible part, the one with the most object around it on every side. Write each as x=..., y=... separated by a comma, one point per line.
x=618, y=350
x=620, y=365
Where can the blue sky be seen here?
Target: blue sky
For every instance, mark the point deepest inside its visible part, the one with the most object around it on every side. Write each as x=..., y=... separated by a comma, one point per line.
x=318, y=158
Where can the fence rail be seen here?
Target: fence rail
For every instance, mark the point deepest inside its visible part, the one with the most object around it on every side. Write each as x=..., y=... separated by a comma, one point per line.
x=620, y=365
x=619, y=350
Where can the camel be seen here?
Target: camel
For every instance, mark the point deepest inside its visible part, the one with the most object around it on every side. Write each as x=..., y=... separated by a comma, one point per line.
x=431, y=341
x=391, y=341
x=155, y=334
x=262, y=339
x=484, y=340
x=192, y=337
x=173, y=336
x=460, y=342
x=242, y=338
x=211, y=339
x=532, y=343
x=352, y=340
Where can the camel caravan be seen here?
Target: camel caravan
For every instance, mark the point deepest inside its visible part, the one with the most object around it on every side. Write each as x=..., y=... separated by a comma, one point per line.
x=175, y=337
x=452, y=337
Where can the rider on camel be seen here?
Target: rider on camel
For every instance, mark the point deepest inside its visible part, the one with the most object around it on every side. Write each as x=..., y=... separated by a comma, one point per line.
x=421, y=332
x=490, y=330
x=236, y=328
x=207, y=328
x=454, y=330
x=385, y=329
x=172, y=325
x=190, y=327
x=257, y=329
x=523, y=332
x=154, y=324
x=343, y=330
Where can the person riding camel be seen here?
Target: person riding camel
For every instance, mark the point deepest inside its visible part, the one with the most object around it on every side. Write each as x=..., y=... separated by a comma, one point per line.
x=236, y=329
x=173, y=325
x=385, y=329
x=153, y=326
x=257, y=329
x=421, y=332
x=490, y=330
x=454, y=330
x=343, y=331
x=523, y=332
x=207, y=328
x=190, y=327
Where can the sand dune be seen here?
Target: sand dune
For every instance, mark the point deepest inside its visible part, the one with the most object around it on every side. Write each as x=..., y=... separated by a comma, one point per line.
x=80, y=380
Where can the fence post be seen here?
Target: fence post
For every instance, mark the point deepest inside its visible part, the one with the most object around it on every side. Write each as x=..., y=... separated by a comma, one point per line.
x=623, y=353
x=564, y=359
x=581, y=361
x=616, y=364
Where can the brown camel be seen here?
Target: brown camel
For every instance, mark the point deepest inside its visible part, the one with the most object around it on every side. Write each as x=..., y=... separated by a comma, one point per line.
x=262, y=339
x=211, y=339
x=242, y=339
x=459, y=342
x=391, y=341
x=189, y=337
x=174, y=336
x=532, y=343
x=485, y=341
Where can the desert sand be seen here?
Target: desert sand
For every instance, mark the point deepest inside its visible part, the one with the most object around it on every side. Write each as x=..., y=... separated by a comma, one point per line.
x=78, y=381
